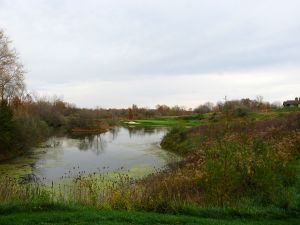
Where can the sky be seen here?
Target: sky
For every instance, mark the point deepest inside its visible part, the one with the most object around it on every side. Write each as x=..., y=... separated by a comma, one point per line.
x=109, y=53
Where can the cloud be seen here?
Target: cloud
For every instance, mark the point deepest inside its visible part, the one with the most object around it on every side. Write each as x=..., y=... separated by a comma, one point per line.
x=184, y=90
x=69, y=42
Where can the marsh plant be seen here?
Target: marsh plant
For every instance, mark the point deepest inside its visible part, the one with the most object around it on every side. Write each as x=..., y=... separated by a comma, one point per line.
x=237, y=165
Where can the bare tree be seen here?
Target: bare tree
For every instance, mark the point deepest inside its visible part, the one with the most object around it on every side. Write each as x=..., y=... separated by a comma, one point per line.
x=11, y=71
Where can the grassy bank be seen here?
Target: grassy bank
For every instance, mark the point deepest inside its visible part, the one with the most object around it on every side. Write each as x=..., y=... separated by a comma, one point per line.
x=169, y=121
x=238, y=159
x=234, y=170
x=209, y=118
x=18, y=214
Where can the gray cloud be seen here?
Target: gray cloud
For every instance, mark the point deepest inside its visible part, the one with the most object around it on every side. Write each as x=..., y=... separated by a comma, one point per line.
x=71, y=42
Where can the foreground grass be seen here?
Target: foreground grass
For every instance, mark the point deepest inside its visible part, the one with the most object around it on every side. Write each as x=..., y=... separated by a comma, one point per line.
x=15, y=214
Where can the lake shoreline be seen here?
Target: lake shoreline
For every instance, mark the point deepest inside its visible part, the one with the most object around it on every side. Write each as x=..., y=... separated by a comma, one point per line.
x=107, y=143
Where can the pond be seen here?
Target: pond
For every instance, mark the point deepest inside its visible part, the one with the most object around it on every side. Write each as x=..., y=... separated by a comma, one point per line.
x=131, y=150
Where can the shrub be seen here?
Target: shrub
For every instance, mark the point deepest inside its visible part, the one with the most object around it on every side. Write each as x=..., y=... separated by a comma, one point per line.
x=214, y=117
x=176, y=140
x=29, y=131
x=241, y=112
x=235, y=167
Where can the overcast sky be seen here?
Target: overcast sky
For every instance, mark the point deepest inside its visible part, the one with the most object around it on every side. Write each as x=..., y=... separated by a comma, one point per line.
x=177, y=52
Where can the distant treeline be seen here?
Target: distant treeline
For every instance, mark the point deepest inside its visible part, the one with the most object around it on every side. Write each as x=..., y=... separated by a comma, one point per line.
x=25, y=121
x=238, y=107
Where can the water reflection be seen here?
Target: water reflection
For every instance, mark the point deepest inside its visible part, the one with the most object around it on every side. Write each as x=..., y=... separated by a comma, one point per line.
x=119, y=148
x=93, y=142
x=114, y=132
x=53, y=142
x=142, y=131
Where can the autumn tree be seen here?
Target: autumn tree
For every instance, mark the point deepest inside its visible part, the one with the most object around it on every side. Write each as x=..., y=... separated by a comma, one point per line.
x=11, y=71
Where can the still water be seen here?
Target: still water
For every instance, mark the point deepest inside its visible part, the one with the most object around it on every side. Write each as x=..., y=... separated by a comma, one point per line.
x=132, y=150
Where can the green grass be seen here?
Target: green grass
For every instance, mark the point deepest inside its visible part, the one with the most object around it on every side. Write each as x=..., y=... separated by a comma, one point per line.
x=287, y=109
x=258, y=116
x=19, y=214
x=157, y=122
x=169, y=121
x=204, y=119
x=296, y=166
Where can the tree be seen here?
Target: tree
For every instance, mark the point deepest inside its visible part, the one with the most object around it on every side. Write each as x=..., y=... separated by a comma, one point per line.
x=6, y=127
x=205, y=108
x=11, y=71
x=130, y=114
x=162, y=109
